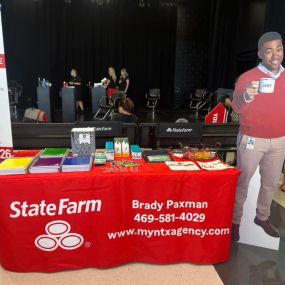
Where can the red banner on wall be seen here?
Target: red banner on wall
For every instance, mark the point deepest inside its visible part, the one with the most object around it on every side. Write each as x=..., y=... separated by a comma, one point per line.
x=2, y=61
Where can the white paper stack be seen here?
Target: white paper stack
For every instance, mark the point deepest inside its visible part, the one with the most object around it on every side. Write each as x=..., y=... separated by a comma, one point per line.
x=182, y=165
x=213, y=165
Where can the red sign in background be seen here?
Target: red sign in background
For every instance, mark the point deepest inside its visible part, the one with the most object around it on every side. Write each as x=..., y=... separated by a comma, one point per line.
x=218, y=115
x=2, y=61
x=51, y=222
x=5, y=152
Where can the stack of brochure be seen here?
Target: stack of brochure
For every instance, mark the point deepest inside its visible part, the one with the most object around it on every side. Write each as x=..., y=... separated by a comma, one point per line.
x=216, y=164
x=79, y=163
x=55, y=152
x=50, y=160
x=27, y=153
x=182, y=165
x=15, y=165
x=47, y=165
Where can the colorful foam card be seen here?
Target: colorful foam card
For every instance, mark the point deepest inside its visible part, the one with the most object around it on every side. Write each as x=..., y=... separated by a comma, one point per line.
x=13, y=163
x=55, y=152
x=27, y=153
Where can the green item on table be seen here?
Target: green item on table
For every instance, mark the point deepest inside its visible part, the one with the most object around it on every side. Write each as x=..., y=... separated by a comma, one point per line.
x=100, y=158
x=55, y=152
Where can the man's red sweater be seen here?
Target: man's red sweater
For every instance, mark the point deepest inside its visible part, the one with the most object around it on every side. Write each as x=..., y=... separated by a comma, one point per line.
x=264, y=116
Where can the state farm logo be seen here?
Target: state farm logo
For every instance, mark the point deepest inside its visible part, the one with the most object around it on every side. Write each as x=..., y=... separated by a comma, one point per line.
x=58, y=235
x=103, y=129
x=178, y=130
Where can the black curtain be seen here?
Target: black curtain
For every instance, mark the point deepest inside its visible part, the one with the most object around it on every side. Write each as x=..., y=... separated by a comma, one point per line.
x=46, y=38
x=274, y=17
x=222, y=44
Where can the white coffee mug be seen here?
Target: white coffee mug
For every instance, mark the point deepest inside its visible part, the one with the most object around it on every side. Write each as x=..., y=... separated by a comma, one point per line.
x=266, y=85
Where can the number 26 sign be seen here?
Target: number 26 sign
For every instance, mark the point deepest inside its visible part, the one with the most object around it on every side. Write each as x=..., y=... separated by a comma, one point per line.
x=5, y=152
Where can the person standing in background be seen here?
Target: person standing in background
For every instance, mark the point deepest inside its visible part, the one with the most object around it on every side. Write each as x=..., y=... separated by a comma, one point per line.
x=76, y=82
x=124, y=81
x=261, y=139
x=111, y=82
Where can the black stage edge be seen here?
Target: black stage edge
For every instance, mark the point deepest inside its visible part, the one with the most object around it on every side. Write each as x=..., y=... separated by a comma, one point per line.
x=153, y=134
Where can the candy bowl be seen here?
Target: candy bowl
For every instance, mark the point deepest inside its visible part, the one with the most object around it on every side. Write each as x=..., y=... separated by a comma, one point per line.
x=199, y=154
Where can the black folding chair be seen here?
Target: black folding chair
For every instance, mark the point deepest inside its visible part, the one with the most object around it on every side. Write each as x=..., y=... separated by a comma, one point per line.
x=107, y=105
x=201, y=101
x=152, y=98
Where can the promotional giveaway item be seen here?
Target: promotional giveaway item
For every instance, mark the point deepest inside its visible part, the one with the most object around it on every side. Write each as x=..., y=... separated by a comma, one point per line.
x=83, y=141
x=156, y=155
x=77, y=164
x=136, y=152
x=118, y=147
x=27, y=153
x=100, y=158
x=122, y=166
x=266, y=85
x=47, y=165
x=110, y=155
x=18, y=165
x=54, y=152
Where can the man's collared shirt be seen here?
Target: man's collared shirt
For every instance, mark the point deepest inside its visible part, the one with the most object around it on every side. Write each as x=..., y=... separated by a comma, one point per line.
x=262, y=68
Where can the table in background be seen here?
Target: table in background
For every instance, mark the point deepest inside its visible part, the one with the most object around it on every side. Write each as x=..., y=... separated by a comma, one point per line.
x=108, y=228
x=44, y=101
x=68, y=98
x=96, y=94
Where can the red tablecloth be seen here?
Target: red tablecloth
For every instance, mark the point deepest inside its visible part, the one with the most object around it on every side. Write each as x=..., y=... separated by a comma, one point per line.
x=51, y=222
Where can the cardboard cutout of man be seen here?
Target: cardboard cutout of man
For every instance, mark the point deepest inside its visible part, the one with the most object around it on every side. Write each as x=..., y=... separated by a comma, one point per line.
x=261, y=139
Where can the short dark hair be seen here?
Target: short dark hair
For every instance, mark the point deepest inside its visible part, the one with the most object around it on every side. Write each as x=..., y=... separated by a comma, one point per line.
x=127, y=104
x=268, y=37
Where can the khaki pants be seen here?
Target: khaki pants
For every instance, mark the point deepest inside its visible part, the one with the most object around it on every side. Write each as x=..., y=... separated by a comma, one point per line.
x=269, y=155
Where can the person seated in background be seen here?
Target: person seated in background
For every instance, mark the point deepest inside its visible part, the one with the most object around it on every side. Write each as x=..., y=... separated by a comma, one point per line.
x=234, y=117
x=125, y=112
x=75, y=81
x=111, y=81
x=225, y=96
x=124, y=81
